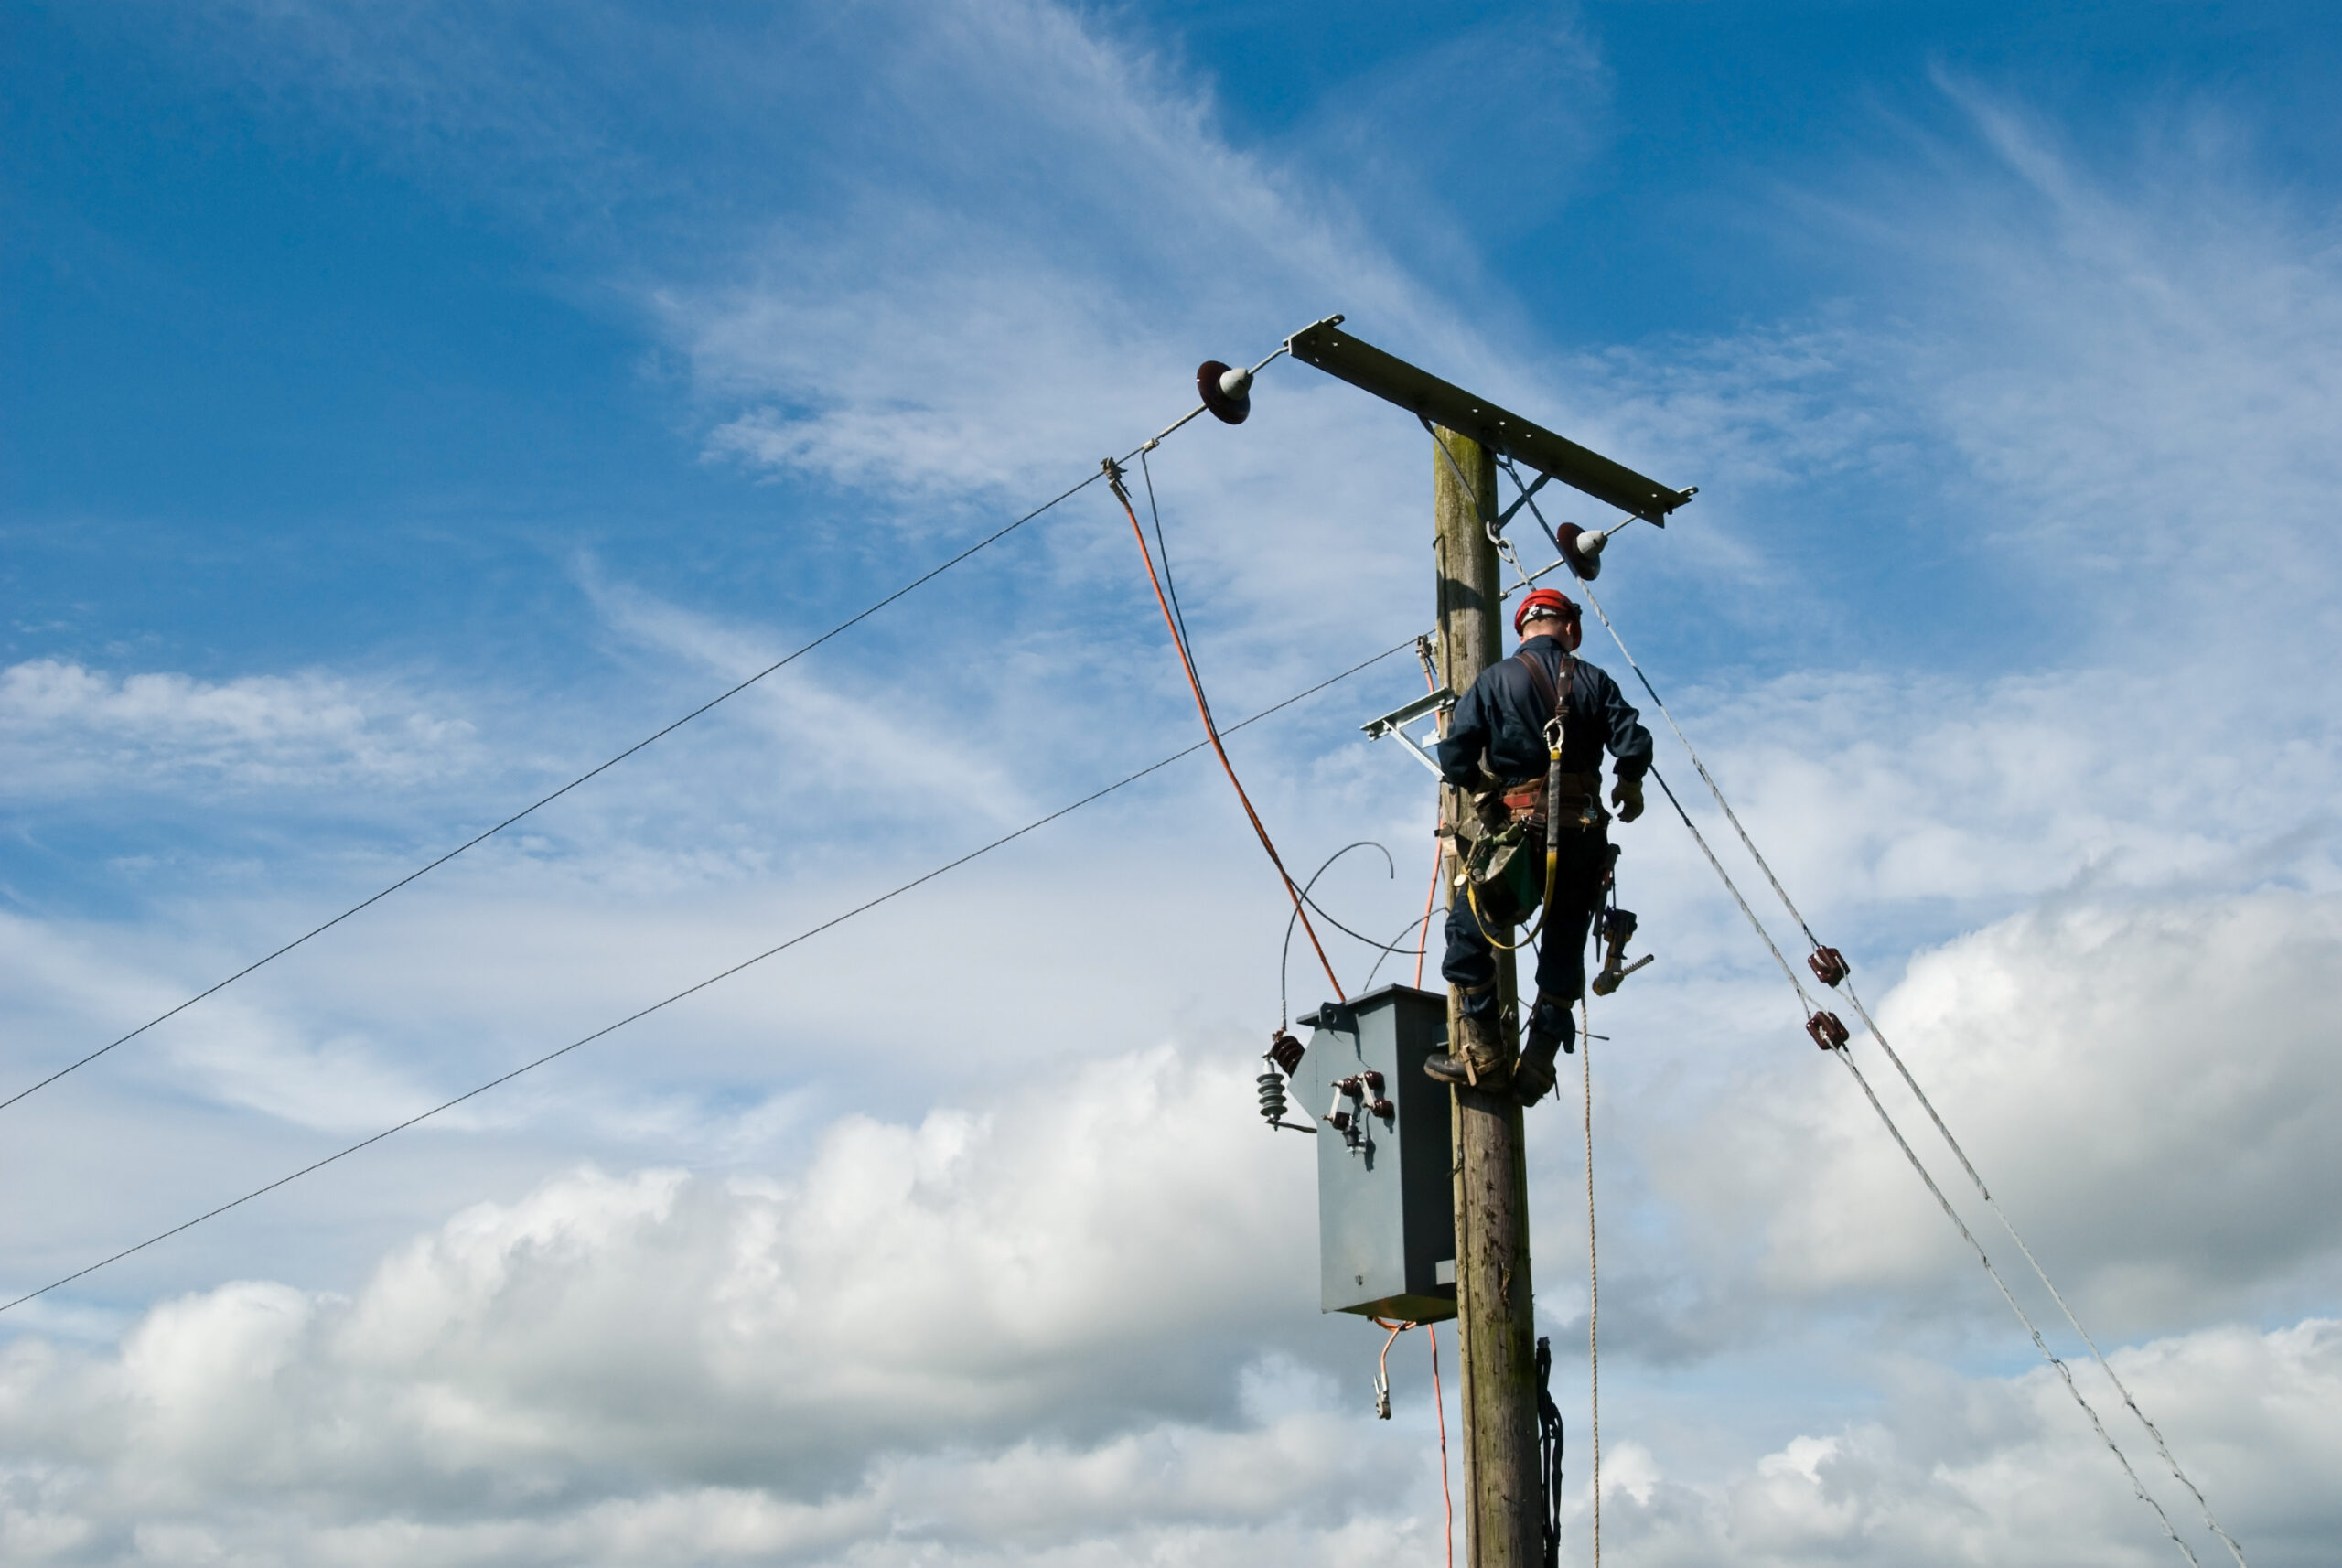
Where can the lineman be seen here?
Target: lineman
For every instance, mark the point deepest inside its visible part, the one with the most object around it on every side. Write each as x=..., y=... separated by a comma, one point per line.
x=1497, y=750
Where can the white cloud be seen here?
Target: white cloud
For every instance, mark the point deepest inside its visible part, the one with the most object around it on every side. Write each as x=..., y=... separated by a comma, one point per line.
x=67, y=728
x=1983, y=1471
x=1049, y=1324
x=858, y=740
x=1033, y=1332
x=2146, y=1089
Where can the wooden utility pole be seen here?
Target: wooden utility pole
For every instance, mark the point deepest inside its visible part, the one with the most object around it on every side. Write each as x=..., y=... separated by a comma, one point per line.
x=1495, y=1310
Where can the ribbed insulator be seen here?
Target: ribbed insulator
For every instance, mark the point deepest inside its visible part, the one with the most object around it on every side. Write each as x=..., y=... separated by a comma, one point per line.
x=1272, y=1101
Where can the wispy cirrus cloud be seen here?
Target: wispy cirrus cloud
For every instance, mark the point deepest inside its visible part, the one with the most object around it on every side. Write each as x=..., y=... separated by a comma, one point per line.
x=70, y=728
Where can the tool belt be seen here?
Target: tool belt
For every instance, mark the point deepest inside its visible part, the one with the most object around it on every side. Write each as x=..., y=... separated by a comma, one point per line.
x=1526, y=798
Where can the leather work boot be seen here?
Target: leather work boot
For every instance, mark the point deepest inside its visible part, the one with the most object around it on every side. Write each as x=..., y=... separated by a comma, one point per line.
x=1550, y=1034
x=1534, y=1074
x=1481, y=1063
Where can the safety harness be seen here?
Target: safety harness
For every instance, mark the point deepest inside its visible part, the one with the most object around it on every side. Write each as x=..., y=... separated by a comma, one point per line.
x=1521, y=800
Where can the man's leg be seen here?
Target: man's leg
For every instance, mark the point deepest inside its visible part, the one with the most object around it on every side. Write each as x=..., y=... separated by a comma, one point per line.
x=1561, y=962
x=1482, y=1057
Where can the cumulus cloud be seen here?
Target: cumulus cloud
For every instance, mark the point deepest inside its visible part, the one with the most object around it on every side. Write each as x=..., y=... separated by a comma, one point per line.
x=1962, y=1471
x=1040, y=1331
x=1040, y=1325
x=2145, y=1089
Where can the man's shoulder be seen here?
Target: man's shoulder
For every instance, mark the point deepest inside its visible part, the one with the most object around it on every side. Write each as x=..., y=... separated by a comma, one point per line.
x=1505, y=671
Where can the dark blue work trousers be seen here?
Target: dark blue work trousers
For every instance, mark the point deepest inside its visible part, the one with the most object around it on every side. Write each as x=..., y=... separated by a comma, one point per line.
x=1470, y=962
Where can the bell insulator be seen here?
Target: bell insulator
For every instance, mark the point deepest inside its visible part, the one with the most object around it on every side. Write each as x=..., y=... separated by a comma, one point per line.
x=1286, y=1052
x=1581, y=550
x=1227, y=392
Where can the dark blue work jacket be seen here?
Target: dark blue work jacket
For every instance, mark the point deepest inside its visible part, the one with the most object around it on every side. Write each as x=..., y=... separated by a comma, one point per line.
x=1502, y=720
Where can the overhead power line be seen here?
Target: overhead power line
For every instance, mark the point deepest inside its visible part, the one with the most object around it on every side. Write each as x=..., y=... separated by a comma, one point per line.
x=599, y=769
x=721, y=975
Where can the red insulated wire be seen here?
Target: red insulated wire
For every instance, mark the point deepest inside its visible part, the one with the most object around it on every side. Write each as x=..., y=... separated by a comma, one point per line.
x=1211, y=732
x=1431, y=900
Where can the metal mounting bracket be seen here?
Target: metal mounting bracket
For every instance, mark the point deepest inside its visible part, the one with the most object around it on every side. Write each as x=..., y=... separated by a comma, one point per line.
x=1431, y=704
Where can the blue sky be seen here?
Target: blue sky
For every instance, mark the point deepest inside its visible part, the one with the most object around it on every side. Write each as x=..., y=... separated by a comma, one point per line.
x=412, y=405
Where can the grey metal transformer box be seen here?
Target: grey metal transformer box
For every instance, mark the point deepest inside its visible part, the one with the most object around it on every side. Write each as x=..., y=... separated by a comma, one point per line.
x=1386, y=1195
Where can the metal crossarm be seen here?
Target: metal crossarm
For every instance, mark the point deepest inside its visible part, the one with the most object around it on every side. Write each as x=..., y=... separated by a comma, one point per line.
x=1437, y=702
x=1340, y=354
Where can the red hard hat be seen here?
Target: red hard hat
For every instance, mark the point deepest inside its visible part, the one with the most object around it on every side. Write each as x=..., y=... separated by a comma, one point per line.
x=1546, y=599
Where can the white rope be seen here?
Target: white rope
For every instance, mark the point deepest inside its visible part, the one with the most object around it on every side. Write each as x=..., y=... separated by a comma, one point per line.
x=2162, y=1448
x=1593, y=1276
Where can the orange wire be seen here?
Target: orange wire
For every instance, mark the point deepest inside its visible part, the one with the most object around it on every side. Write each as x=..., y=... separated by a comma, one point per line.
x=1431, y=897
x=1211, y=732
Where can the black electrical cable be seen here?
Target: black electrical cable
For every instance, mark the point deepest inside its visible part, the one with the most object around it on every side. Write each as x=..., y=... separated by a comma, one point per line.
x=805, y=935
x=1284, y=953
x=1550, y=1439
x=1360, y=935
x=1396, y=946
x=1178, y=611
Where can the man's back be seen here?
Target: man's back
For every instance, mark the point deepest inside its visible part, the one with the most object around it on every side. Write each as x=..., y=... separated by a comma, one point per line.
x=1502, y=720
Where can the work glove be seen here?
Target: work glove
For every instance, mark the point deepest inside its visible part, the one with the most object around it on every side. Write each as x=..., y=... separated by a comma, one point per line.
x=1627, y=794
